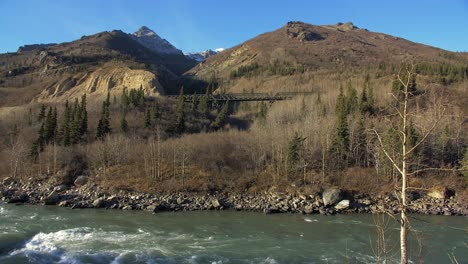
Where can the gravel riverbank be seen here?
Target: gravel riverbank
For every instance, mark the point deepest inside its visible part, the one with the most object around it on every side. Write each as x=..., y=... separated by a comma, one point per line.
x=84, y=194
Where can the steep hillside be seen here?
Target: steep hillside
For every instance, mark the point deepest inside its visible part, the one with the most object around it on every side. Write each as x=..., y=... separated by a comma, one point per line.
x=299, y=47
x=95, y=64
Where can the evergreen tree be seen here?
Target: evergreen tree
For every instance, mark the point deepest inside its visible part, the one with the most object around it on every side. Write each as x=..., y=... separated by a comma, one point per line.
x=180, y=114
x=221, y=118
x=48, y=125
x=34, y=152
x=352, y=100
x=141, y=96
x=366, y=101
x=193, y=103
x=84, y=116
x=155, y=114
x=124, y=100
x=295, y=147
x=360, y=155
x=42, y=137
x=123, y=124
x=75, y=123
x=203, y=105
x=104, y=122
x=147, y=119
x=66, y=123
x=42, y=113
x=341, y=104
x=340, y=140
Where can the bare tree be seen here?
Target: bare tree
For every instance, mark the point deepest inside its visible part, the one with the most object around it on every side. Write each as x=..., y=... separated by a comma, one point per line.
x=406, y=77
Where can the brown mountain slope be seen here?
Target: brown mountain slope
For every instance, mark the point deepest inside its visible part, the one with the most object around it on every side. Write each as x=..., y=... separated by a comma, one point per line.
x=92, y=64
x=299, y=47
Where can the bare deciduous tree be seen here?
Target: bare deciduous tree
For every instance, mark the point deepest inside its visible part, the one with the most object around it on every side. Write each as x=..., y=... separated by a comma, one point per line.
x=401, y=163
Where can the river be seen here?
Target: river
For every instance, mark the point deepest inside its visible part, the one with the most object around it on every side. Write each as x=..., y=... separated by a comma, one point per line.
x=43, y=234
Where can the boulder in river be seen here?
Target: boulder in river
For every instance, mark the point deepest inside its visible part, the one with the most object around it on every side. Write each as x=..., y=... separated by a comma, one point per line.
x=344, y=204
x=19, y=198
x=331, y=196
x=52, y=199
x=99, y=203
x=216, y=204
x=81, y=180
x=154, y=208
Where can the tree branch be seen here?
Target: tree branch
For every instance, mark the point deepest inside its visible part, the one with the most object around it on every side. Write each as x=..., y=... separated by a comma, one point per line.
x=386, y=153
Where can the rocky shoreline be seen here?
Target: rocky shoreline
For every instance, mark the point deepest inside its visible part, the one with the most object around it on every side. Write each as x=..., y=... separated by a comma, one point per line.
x=84, y=194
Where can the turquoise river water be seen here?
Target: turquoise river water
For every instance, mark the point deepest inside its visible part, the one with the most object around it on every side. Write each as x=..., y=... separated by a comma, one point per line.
x=43, y=234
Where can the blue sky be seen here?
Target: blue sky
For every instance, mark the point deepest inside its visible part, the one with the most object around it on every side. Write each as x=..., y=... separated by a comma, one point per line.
x=207, y=24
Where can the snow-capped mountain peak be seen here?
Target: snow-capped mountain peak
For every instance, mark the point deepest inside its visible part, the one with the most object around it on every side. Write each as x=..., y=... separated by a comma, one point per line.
x=203, y=55
x=148, y=38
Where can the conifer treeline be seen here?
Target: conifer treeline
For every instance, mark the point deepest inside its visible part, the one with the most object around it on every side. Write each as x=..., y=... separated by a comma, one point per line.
x=74, y=119
x=358, y=107
x=72, y=131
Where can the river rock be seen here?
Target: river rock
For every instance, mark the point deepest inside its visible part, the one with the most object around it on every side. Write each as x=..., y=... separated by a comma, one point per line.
x=216, y=203
x=331, y=196
x=60, y=188
x=438, y=192
x=52, y=199
x=181, y=200
x=63, y=204
x=344, y=204
x=308, y=209
x=8, y=181
x=81, y=180
x=19, y=198
x=154, y=208
x=98, y=203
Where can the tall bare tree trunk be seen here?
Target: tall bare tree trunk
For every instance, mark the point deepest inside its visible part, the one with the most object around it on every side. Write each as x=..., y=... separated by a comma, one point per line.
x=404, y=219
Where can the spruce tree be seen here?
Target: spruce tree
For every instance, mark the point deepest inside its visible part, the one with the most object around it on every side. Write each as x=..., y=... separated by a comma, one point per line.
x=155, y=114
x=84, y=116
x=147, y=118
x=193, y=103
x=104, y=122
x=141, y=96
x=340, y=140
x=295, y=147
x=42, y=137
x=341, y=104
x=75, y=123
x=34, y=152
x=361, y=143
x=366, y=100
x=48, y=125
x=221, y=118
x=203, y=105
x=180, y=113
x=42, y=113
x=352, y=100
x=123, y=124
x=124, y=100
x=66, y=123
